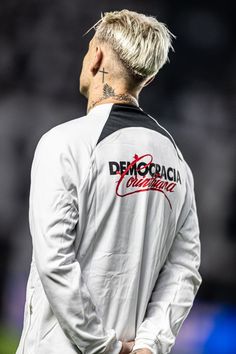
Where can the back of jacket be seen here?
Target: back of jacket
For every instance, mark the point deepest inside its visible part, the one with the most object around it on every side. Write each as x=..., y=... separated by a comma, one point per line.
x=115, y=236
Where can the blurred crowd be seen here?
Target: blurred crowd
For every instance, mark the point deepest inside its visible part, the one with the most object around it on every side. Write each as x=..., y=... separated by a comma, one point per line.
x=42, y=47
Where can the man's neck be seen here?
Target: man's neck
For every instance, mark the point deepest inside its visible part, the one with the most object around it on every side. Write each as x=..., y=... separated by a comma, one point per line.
x=109, y=94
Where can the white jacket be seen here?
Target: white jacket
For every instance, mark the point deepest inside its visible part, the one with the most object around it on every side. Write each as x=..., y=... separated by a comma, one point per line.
x=115, y=236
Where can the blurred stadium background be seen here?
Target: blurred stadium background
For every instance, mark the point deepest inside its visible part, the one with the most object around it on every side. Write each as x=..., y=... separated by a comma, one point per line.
x=41, y=51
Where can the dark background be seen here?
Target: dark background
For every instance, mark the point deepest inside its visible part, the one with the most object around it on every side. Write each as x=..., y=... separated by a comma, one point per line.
x=193, y=96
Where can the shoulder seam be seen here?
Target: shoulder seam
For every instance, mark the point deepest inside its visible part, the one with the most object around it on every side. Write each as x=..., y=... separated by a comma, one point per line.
x=167, y=132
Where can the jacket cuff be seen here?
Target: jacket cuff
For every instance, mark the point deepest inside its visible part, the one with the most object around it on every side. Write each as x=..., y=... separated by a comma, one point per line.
x=146, y=343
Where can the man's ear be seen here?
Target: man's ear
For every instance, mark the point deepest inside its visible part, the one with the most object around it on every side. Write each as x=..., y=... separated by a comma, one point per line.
x=149, y=80
x=96, y=62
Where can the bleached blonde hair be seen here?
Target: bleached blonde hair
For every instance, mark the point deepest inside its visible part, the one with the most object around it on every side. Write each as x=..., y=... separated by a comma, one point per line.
x=141, y=42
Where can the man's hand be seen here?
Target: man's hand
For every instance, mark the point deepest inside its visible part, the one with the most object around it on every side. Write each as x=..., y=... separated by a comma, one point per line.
x=127, y=347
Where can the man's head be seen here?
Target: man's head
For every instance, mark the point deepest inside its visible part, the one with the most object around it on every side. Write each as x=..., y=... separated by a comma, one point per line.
x=130, y=46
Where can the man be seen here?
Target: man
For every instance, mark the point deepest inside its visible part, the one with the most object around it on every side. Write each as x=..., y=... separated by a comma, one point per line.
x=112, y=211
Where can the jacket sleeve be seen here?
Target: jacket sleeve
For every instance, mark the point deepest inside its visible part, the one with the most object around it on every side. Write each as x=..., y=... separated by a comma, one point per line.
x=53, y=216
x=176, y=286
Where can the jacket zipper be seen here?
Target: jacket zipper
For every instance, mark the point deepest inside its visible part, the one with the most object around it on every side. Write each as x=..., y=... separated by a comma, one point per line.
x=29, y=322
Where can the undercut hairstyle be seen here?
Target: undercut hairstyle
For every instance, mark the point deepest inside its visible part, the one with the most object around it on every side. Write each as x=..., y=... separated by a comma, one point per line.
x=141, y=42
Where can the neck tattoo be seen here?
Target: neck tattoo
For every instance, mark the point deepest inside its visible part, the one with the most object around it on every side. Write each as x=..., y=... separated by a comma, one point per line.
x=103, y=74
x=109, y=92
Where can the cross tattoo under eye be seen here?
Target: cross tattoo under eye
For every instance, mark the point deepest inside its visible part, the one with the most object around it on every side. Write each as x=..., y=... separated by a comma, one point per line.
x=103, y=74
